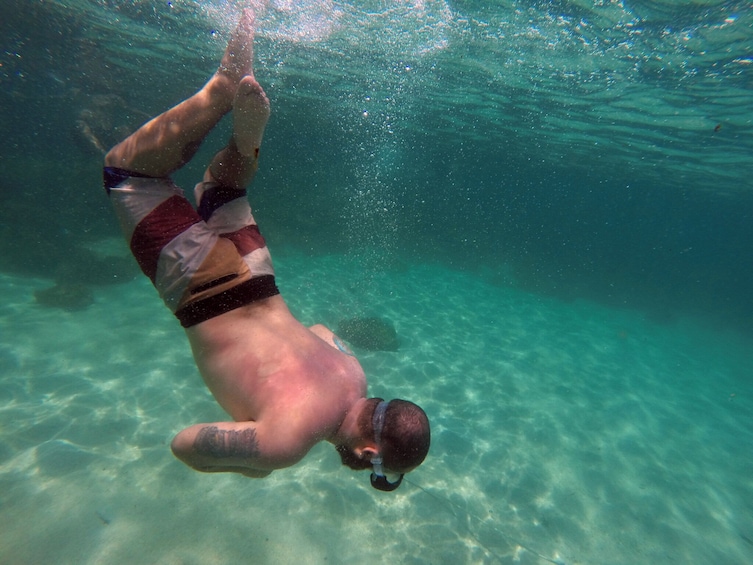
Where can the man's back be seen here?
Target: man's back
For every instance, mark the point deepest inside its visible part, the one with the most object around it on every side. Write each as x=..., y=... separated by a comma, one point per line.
x=262, y=365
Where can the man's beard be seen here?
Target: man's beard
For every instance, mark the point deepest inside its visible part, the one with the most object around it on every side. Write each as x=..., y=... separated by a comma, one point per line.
x=350, y=459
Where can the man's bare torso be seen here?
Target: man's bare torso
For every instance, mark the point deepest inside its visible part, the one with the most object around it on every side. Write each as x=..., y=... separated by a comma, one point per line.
x=263, y=365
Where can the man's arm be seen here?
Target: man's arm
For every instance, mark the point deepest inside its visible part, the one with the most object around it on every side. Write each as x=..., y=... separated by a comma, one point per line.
x=232, y=447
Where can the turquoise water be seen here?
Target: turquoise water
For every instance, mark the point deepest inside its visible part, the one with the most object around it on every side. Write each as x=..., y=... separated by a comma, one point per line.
x=550, y=201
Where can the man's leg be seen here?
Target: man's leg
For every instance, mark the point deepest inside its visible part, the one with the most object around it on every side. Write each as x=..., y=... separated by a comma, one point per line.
x=168, y=142
x=205, y=262
x=235, y=166
x=221, y=197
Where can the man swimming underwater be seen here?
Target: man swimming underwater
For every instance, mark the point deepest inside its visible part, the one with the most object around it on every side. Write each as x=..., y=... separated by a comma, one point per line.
x=287, y=387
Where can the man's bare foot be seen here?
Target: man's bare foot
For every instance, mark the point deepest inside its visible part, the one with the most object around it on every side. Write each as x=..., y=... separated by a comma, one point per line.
x=250, y=114
x=238, y=60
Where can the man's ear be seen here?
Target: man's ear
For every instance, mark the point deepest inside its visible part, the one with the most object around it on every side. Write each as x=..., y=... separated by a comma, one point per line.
x=366, y=452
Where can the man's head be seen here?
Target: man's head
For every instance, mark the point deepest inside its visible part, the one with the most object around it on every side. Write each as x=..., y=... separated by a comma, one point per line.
x=397, y=436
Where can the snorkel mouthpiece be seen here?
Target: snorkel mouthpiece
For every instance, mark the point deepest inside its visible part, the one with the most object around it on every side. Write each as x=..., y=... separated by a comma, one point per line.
x=378, y=478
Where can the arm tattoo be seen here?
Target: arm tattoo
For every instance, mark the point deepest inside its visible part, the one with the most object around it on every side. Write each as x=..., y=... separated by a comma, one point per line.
x=220, y=444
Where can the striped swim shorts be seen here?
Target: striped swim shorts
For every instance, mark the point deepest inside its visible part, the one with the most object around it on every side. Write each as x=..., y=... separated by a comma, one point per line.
x=203, y=262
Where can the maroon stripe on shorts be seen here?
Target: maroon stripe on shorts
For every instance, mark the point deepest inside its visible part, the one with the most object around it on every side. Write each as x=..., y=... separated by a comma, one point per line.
x=246, y=239
x=158, y=228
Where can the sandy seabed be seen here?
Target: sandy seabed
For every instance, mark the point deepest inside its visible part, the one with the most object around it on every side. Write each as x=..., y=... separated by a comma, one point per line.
x=562, y=433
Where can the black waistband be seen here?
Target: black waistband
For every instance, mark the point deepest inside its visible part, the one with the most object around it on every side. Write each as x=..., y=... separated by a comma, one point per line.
x=113, y=176
x=245, y=293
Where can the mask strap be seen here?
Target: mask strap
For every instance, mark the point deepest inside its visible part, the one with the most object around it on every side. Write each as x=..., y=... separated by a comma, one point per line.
x=378, y=421
x=378, y=478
